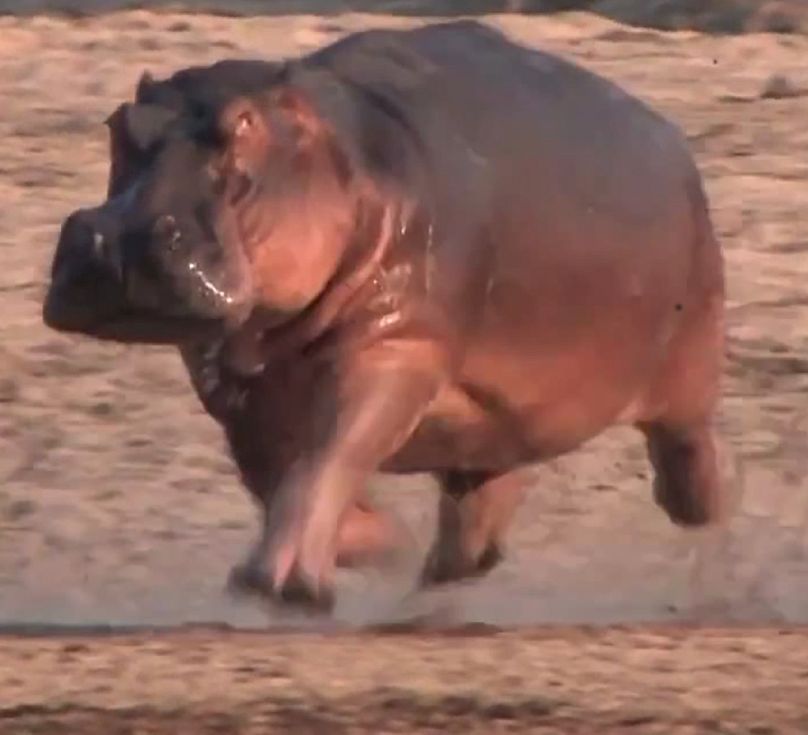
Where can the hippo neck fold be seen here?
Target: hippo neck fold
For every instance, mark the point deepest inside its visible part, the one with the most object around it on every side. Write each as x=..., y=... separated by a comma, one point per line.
x=385, y=184
x=259, y=340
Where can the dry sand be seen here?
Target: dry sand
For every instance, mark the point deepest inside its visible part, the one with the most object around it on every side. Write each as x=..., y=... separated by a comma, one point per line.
x=119, y=505
x=559, y=681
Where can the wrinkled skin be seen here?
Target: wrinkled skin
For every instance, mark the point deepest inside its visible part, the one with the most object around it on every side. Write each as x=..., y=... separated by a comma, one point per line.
x=428, y=250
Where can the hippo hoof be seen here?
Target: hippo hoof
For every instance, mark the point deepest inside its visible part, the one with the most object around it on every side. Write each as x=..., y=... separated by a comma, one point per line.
x=442, y=568
x=297, y=594
x=248, y=580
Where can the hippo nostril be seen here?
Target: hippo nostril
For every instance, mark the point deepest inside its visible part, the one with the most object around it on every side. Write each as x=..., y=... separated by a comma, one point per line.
x=85, y=244
x=107, y=253
x=166, y=228
x=99, y=245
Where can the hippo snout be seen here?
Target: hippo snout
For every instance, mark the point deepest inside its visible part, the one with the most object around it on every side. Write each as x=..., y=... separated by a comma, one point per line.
x=140, y=284
x=86, y=276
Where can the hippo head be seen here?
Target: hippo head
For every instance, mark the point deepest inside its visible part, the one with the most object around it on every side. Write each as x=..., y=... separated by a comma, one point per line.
x=226, y=194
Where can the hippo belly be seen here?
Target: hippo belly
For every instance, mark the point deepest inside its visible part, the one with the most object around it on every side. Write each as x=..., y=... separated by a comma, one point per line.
x=568, y=342
x=509, y=408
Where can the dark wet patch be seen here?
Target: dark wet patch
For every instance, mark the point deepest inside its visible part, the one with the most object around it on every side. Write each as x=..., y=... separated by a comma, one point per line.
x=18, y=509
x=9, y=390
x=180, y=26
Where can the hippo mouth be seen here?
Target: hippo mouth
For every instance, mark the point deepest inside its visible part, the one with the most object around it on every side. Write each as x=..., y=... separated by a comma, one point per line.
x=136, y=328
x=127, y=325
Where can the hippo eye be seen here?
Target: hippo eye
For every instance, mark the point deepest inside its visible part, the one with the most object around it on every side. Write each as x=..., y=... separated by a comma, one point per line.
x=166, y=228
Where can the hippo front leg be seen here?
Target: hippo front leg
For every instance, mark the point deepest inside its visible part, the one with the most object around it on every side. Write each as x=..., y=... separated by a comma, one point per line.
x=373, y=407
x=367, y=536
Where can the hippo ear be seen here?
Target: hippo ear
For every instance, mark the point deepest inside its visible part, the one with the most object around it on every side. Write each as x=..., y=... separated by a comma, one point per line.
x=138, y=125
x=144, y=86
x=244, y=128
x=146, y=124
x=120, y=150
x=298, y=110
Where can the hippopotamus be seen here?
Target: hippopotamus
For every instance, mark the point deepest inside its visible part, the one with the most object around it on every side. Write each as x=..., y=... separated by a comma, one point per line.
x=432, y=250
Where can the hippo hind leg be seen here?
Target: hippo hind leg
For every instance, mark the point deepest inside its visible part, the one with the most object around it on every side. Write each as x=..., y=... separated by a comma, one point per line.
x=475, y=511
x=679, y=420
x=688, y=482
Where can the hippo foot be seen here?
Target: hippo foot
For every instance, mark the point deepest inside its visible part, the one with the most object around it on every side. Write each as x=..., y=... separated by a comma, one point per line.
x=689, y=484
x=250, y=580
x=443, y=568
x=295, y=593
x=686, y=510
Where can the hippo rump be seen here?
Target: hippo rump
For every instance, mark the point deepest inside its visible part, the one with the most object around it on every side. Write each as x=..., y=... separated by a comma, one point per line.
x=428, y=250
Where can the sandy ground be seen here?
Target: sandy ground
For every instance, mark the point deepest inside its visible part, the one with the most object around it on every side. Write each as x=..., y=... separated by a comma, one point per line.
x=559, y=681
x=118, y=504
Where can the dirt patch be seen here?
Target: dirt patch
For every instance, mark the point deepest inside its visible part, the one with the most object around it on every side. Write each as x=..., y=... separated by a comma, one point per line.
x=556, y=680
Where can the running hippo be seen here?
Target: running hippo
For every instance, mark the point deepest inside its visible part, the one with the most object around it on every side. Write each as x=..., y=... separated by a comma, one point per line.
x=429, y=250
